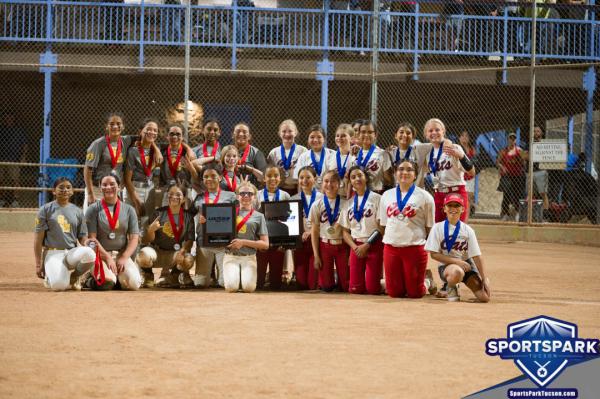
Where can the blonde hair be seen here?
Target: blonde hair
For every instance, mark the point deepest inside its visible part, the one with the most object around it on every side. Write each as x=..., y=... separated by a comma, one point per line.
x=346, y=128
x=289, y=122
x=226, y=149
x=432, y=121
x=248, y=185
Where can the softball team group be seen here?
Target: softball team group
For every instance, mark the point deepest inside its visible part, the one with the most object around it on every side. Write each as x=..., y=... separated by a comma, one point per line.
x=143, y=211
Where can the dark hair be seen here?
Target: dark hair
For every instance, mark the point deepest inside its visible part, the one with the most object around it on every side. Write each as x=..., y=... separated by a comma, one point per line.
x=367, y=122
x=411, y=162
x=145, y=121
x=358, y=122
x=182, y=187
x=357, y=167
x=409, y=126
x=118, y=114
x=309, y=169
x=61, y=179
x=241, y=123
x=174, y=124
x=316, y=128
x=114, y=176
x=335, y=173
x=212, y=120
x=279, y=170
x=212, y=166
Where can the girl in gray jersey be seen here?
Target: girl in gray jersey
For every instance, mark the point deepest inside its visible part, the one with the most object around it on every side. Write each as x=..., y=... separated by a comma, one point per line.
x=239, y=263
x=59, y=230
x=113, y=226
x=252, y=161
x=206, y=257
x=169, y=239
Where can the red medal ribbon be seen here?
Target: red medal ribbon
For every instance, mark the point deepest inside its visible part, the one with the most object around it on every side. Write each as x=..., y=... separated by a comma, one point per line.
x=207, y=198
x=231, y=183
x=244, y=220
x=213, y=152
x=99, y=269
x=242, y=160
x=176, y=231
x=112, y=220
x=114, y=158
x=173, y=166
x=147, y=166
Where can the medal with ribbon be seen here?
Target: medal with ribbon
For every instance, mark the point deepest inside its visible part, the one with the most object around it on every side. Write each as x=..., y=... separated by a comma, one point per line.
x=231, y=183
x=112, y=219
x=450, y=240
x=176, y=230
x=406, y=154
x=403, y=201
x=244, y=156
x=146, y=165
x=336, y=210
x=434, y=164
x=114, y=157
x=207, y=197
x=266, y=195
x=244, y=220
x=213, y=153
x=173, y=166
x=317, y=165
x=359, y=211
x=338, y=160
x=99, y=269
x=287, y=162
x=306, y=206
x=363, y=162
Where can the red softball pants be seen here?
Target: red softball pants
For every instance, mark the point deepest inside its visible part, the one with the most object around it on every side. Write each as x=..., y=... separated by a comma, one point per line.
x=273, y=258
x=365, y=273
x=333, y=255
x=306, y=275
x=405, y=271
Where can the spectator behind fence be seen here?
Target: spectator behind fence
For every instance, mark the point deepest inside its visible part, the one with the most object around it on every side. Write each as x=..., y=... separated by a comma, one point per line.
x=540, y=177
x=510, y=163
x=453, y=13
x=15, y=150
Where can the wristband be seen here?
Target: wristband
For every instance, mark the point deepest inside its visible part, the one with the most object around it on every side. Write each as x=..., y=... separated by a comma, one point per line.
x=466, y=163
x=374, y=237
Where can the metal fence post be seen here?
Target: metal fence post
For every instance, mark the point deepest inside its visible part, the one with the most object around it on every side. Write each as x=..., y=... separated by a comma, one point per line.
x=235, y=27
x=415, y=75
x=186, y=77
x=142, y=31
x=531, y=113
x=375, y=59
x=505, y=48
x=325, y=69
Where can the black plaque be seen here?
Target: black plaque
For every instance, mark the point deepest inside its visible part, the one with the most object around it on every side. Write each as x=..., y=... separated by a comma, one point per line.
x=284, y=223
x=219, y=229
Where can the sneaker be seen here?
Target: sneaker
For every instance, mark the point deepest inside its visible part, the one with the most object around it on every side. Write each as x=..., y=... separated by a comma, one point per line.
x=76, y=281
x=382, y=282
x=185, y=281
x=430, y=283
x=148, y=276
x=453, y=295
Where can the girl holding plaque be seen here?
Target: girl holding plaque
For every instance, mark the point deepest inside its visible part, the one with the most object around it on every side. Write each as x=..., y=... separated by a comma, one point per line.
x=407, y=213
x=363, y=233
x=342, y=159
x=113, y=227
x=306, y=275
x=169, y=239
x=273, y=257
x=329, y=248
x=317, y=156
x=286, y=155
x=239, y=262
x=139, y=170
x=373, y=159
x=212, y=194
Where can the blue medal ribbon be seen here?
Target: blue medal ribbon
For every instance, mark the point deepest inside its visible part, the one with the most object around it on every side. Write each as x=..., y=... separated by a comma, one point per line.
x=359, y=159
x=433, y=165
x=450, y=240
x=306, y=206
x=341, y=168
x=406, y=154
x=399, y=200
x=287, y=162
x=266, y=195
x=336, y=210
x=358, y=214
x=317, y=165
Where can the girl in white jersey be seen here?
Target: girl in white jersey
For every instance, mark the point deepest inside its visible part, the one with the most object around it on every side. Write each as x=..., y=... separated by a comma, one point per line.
x=373, y=159
x=273, y=257
x=447, y=165
x=362, y=232
x=286, y=155
x=342, y=159
x=317, y=156
x=405, y=135
x=407, y=213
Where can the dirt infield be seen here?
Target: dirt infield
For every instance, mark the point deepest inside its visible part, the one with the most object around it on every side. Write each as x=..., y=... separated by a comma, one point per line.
x=171, y=343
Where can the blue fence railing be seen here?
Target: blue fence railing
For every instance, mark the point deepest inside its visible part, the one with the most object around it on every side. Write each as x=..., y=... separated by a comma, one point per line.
x=296, y=29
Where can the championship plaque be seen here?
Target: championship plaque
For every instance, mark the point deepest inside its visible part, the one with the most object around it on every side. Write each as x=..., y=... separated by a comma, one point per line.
x=219, y=229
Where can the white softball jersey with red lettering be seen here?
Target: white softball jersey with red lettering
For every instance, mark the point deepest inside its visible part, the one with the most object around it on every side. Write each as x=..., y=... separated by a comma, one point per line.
x=370, y=218
x=377, y=164
x=275, y=158
x=318, y=215
x=465, y=247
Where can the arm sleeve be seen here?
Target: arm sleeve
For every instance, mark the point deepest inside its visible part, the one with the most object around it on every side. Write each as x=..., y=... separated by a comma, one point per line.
x=93, y=155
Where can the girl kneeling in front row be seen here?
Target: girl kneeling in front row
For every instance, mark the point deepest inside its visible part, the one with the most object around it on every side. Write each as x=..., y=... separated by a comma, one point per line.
x=239, y=262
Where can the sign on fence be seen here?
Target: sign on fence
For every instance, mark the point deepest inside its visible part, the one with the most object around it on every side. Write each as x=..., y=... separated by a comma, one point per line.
x=550, y=153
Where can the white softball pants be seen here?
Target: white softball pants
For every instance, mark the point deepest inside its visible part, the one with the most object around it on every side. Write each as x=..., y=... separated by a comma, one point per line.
x=60, y=263
x=239, y=270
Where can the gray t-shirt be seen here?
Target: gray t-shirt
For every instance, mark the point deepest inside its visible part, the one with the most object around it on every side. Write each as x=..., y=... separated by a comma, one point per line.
x=199, y=151
x=257, y=160
x=97, y=222
x=254, y=227
x=182, y=175
x=164, y=237
x=232, y=178
x=63, y=225
x=226, y=197
x=134, y=163
x=98, y=157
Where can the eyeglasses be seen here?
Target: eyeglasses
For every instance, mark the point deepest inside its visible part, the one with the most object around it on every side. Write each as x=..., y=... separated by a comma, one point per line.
x=246, y=193
x=174, y=134
x=405, y=169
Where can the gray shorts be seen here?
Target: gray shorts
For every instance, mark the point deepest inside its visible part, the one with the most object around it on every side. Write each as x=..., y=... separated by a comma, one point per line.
x=540, y=180
x=472, y=272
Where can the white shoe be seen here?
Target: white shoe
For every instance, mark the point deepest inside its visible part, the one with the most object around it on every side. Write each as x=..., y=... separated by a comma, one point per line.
x=453, y=295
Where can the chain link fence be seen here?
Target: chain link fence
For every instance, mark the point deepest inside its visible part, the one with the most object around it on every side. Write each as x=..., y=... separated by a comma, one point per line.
x=65, y=65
